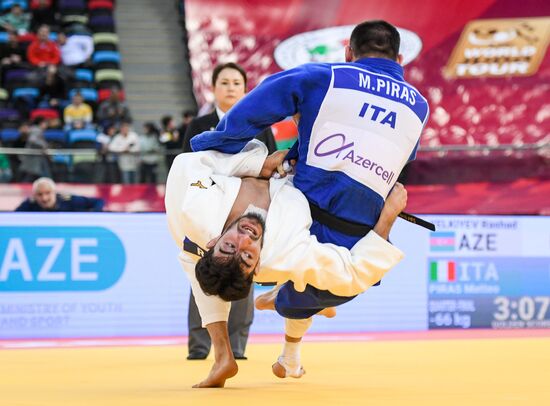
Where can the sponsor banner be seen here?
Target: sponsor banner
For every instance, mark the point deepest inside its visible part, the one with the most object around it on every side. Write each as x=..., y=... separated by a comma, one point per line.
x=71, y=275
x=500, y=47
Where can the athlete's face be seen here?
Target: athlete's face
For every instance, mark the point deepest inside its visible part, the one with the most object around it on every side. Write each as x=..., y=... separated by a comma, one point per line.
x=242, y=240
x=229, y=88
x=45, y=196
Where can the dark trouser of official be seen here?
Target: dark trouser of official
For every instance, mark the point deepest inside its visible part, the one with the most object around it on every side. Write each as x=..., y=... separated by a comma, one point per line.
x=240, y=320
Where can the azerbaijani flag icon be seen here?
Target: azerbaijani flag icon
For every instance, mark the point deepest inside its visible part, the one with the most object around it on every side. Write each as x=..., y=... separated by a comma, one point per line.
x=442, y=241
x=442, y=271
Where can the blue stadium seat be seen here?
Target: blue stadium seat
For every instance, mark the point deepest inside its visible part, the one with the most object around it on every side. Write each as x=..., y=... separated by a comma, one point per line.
x=84, y=75
x=57, y=136
x=88, y=94
x=4, y=36
x=9, y=134
x=7, y=4
x=62, y=159
x=106, y=56
x=26, y=92
x=88, y=135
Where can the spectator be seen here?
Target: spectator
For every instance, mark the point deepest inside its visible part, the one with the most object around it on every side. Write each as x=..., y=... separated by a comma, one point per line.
x=16, y=21
x=12, y=52
x=34, y=165
x=108, y=171
x=42, y=51
x=150, y=153
x=42, y=13
x=126, y=145
x=45, y=198
x=171, y=139
x=186, y=117
x=113, y=111
x=53, y=88
x=77, y=114
x=15, y=160
x=76, y=49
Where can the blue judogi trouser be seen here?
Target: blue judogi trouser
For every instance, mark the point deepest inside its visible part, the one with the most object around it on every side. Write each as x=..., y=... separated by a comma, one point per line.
x=292, y=304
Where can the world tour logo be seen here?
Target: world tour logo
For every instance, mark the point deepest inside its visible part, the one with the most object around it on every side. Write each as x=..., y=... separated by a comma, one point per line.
x=336, y=145
x=500, y=47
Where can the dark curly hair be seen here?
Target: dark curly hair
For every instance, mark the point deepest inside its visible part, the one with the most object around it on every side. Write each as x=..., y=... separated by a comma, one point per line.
x=223, y=277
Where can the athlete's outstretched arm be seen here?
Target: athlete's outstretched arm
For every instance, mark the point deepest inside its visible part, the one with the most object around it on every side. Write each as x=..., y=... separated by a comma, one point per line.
x=276, y=98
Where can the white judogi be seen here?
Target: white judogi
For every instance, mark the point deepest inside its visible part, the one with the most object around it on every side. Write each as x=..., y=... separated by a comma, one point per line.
x=200, y=191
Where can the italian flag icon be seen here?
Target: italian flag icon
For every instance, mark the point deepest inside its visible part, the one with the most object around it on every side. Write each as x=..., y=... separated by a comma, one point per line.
x=442, y=271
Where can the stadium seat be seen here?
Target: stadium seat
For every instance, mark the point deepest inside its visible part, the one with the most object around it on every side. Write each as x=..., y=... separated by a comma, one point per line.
x=61, y=160
x=88, y=94
x=109, y=75
x=69, y=6
x=8, y=135
x=102, y=23
x=7, y=4
x=4, y=36
x=26, y=93
x=9, y=116
x=105, y=41
x=4, y=97
x=56, y=136
x=100, y=5
x=106, y=56
x=35, y=4
x=48, y=114
x=14, y=78
x=84, y=75
x=104, y=94
x=85, y=135
x=74, y=19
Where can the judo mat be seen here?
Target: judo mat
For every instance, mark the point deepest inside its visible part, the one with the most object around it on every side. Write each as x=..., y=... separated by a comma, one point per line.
x=484, y=368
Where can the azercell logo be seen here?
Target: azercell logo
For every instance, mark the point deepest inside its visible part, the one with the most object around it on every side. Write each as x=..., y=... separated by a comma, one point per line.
x=326, y=147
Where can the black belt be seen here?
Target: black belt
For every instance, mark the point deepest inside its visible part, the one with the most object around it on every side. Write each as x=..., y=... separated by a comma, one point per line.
x=338, y=224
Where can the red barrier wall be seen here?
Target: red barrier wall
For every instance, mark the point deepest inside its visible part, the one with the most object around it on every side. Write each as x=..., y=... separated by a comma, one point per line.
x=523, y=196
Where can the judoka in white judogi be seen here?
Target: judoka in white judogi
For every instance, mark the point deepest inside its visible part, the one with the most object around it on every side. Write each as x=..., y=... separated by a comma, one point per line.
x=200, y=191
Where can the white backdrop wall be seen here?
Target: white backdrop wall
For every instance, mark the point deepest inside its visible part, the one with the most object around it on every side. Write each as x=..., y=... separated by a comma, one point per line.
x=65, y=275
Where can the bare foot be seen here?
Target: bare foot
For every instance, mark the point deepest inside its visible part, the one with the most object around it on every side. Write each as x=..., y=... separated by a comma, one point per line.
x=266, y=301
x=280, y=372
x=218, y=374
x=329, y=312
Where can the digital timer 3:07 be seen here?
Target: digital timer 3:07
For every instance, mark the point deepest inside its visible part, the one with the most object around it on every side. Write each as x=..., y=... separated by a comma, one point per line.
x=521, y=312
